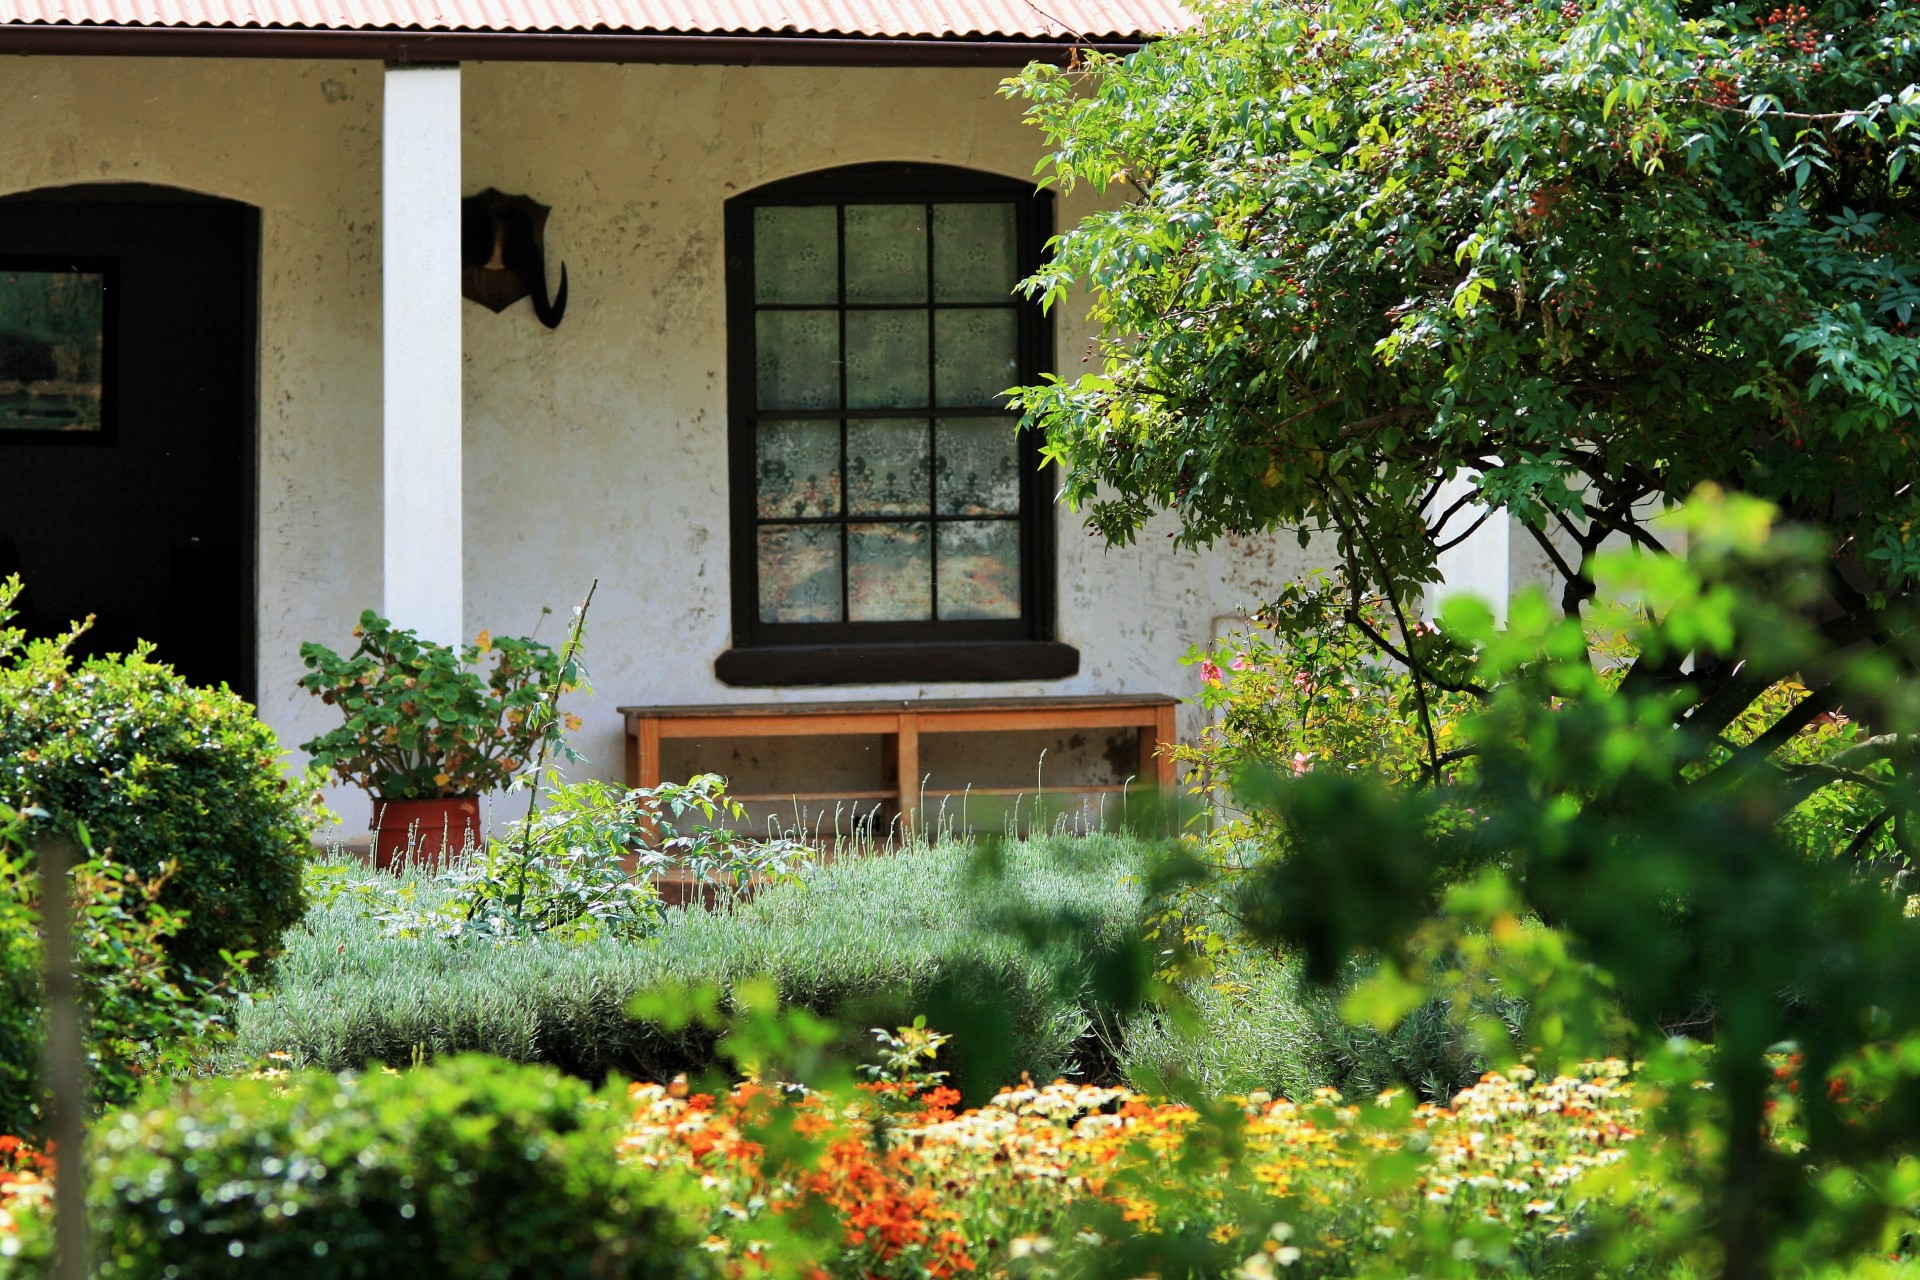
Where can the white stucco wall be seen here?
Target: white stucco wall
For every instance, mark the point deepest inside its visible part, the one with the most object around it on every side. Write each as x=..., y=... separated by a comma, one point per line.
x=300, y=142
x=597, y=449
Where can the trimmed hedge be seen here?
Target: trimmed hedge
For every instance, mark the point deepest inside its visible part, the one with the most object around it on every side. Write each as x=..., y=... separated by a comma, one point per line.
x=161, y=772
x=871, y=942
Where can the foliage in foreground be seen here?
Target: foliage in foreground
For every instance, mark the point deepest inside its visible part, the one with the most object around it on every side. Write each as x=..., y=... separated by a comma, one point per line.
x=181, y=786
x=141, y=1017
x=473, y=1168
x=1637, y=882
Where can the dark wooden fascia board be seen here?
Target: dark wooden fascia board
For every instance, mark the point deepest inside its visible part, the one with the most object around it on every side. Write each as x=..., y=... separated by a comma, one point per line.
x=74, y=39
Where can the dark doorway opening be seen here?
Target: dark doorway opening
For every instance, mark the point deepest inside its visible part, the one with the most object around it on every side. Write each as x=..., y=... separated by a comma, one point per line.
x=146, y=521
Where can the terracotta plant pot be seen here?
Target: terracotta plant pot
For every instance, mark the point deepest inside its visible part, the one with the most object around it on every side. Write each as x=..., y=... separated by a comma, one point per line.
x=424, y=833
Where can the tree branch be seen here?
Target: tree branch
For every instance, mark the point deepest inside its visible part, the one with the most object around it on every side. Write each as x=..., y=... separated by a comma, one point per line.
x=1433, y=530
x=1781, y=731
x=1608, y=519
x=1485, y=515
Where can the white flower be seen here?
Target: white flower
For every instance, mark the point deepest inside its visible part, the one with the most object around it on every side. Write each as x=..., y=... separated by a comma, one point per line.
x=1023, y=1246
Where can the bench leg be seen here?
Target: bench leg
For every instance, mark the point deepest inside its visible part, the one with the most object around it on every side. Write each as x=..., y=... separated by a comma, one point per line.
x=1156, y=768
x=643, y=753
x=906, y=769
x=643, y=763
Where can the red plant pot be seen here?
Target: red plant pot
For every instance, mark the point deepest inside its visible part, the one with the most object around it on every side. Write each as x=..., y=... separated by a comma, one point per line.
x=424, y=833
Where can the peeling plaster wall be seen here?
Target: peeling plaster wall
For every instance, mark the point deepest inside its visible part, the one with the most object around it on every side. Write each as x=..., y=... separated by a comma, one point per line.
x=598, y=449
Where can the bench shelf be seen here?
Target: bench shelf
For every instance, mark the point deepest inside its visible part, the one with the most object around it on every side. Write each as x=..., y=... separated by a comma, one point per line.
x=901, y=725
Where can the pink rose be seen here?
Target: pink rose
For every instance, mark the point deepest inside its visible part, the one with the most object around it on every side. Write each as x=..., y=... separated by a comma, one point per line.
x=1209, y=672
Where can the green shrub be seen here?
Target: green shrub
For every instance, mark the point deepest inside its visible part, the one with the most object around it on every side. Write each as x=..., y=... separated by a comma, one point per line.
x=571, y=873
x=140, y=1018
x=160, y=773
x=473, y=1169
x=1255, y=1024
x=873, y=941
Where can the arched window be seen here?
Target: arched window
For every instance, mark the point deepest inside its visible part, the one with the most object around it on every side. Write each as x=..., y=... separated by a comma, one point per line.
x=888, y=521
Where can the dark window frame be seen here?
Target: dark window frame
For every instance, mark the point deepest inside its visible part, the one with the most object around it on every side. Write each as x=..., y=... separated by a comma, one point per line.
x=864, y=652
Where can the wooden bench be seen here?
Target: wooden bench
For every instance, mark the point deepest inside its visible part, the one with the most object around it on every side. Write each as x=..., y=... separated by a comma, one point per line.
x=901, y=725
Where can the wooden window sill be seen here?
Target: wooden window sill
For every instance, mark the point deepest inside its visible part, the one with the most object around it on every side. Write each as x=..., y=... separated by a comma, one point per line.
x=966, y=662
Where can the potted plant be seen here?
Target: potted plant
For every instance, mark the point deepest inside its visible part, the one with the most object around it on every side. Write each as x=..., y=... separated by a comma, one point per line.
x=428, y=727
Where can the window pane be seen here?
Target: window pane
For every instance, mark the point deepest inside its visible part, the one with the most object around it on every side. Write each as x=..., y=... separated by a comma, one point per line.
x=886, y=359
x=973, y=252
x=889, y=573
x=975, y=356
x=980, y=569
x=887, y=467
x=886, y=253
x=800, y=573
x=978, y=469
x=53, y=338
x=797, y=359
x=797, y=469
x=796, y=255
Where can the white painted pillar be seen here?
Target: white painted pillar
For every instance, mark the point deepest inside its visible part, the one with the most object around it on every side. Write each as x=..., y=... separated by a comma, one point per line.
x=1482, y=565
x=420, y=342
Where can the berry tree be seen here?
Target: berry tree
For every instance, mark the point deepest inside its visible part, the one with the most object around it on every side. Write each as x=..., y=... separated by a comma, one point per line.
x=1588, y=257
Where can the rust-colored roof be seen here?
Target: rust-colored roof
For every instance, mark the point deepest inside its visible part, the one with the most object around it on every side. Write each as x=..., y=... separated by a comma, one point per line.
x=1091, y=20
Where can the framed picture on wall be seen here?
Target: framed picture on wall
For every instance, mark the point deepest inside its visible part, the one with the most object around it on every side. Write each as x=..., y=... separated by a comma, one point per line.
x=57, y=338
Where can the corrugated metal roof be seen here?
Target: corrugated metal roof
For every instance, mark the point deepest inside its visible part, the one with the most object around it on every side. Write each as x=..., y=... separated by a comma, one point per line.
x=896, y=19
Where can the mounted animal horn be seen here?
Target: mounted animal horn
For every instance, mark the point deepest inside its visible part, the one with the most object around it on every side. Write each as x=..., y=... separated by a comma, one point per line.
x=503, y=254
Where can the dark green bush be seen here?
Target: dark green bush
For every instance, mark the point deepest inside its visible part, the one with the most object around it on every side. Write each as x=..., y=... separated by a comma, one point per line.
x=140, y=1018
x=160, y=772
x=871, y=941
x=473, y=1169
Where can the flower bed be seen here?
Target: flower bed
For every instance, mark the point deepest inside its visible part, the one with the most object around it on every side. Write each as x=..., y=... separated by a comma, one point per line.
x=907, y=1186
x=894, y=1181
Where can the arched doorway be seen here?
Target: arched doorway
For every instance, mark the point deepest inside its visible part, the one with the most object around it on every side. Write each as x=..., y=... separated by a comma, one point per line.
x=128, y=420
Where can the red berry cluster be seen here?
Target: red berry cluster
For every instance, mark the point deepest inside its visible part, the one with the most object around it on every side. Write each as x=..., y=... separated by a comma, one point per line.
x=1452, y=92
x=1570, y=11
x=1793, y=19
